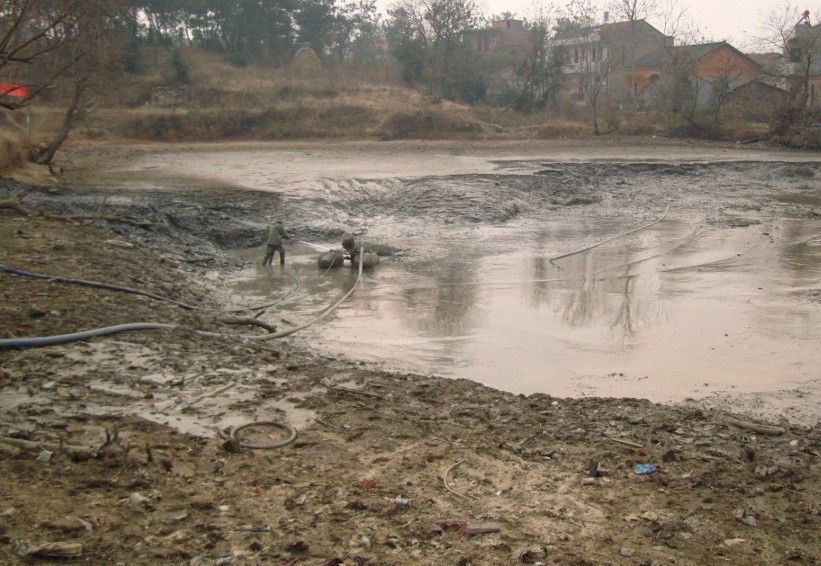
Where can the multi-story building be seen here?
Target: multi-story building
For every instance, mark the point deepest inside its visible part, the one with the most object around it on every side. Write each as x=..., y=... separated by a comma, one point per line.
x=606, y=52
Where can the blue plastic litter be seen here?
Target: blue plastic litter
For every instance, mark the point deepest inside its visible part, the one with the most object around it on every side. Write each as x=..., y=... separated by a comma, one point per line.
x=644, y=469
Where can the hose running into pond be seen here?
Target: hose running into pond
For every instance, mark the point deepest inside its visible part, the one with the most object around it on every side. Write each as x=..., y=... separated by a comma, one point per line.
x=273, y=304
x=92, y=284
x=132, y=291
x=43, y=341
x=611, y=239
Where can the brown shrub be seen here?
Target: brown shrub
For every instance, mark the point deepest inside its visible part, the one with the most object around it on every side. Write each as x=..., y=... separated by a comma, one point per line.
x=14, y=143
x=563, y=129
x=428, y=124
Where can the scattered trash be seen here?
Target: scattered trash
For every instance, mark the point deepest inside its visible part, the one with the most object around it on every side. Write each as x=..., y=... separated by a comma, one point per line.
x=401, y=501
x=650, y=516
x=473, y=529
x=137, y=498
x=45, y=456
x=50, y=550
x=766, y=472
x=532, y=555
x=626, y=551
x=645, y=469
x=730, y=542
x=743, y=516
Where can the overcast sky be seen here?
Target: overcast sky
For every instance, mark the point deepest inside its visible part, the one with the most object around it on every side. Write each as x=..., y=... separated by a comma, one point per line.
x=735, y=20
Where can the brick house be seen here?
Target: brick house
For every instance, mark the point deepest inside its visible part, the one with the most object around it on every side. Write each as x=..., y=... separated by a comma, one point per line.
x=503, y=36
x=716, y=69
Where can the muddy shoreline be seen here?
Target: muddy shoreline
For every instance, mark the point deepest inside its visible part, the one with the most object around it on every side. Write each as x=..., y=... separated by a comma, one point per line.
x=551, y=480
x=730, y=279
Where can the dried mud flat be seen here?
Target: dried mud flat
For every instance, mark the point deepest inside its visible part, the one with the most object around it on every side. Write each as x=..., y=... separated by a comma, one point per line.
x=385, y=469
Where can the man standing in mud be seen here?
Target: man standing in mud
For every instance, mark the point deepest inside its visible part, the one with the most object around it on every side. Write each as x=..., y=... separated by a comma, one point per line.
x=275, y=237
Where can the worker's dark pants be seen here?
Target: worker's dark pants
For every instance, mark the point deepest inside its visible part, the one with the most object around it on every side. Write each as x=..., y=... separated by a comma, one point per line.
x=269, y=257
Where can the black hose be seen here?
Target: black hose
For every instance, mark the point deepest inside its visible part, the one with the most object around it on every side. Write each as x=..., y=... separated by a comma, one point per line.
x=43, y=341
x=92, y=284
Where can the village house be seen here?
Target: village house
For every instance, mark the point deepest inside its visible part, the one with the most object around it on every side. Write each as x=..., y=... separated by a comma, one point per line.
x=507, y=36
x=608, y=51
x=715, y=69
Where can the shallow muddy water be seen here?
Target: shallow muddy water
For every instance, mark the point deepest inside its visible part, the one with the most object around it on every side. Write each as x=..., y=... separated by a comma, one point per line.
x=719, y=297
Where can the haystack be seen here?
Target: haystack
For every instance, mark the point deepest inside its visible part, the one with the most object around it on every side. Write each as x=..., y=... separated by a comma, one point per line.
x=306, y=65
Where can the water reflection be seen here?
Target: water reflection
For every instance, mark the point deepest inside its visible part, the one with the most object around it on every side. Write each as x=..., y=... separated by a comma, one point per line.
x=724, y=291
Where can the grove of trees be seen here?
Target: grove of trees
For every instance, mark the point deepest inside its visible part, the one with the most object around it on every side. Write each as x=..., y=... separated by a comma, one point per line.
x=430, y=43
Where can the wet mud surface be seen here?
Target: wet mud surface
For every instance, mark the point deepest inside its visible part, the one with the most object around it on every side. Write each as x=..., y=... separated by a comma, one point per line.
x=551, y=478
x=719, y=301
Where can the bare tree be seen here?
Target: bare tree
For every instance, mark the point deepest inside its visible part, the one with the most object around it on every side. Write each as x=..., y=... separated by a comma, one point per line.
x=535, y=73
x=633, y=10
x=786, y=29
x=591, y=59
x=31, y=30
x=429, y=38
x=729, y=75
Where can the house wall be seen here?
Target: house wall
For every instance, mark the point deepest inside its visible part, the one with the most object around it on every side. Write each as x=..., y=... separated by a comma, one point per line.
x=639, y=79
x=756, y=101
x=724, y=62
x=620, y=43
x=504, y=35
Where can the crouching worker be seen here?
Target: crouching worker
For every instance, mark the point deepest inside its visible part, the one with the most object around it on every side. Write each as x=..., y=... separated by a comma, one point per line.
x=352, y=250
x=275, y=237
x=349, y=244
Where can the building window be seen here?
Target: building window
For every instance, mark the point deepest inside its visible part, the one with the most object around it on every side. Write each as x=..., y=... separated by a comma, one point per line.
x=576, y=56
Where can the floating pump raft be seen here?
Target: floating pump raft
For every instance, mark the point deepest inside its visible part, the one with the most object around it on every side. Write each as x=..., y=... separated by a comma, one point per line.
x=336, y=258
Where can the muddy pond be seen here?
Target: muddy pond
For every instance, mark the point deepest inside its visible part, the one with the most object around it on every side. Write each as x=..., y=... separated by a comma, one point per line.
x=717, y=297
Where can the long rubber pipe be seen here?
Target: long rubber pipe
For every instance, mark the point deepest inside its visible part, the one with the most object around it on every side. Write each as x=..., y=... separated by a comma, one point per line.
x=608, y=240
x=43, y=341
x=92, y=284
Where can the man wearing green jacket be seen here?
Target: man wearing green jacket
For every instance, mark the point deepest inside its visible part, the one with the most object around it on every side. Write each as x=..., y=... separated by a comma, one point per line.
x=275, y=236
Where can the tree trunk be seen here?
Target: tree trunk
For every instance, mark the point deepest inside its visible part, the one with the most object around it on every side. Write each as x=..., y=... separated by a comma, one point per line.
x=595, y=119
x=73, y=112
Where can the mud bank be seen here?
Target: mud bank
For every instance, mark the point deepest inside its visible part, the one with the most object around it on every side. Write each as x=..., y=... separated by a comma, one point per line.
x=387, y=467
x=528, y=478
x=717, y=302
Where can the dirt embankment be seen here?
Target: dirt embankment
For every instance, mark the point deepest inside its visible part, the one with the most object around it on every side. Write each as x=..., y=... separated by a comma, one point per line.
x=385, y=468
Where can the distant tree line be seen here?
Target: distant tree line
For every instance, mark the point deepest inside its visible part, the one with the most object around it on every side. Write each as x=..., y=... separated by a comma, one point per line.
x=256, y=31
